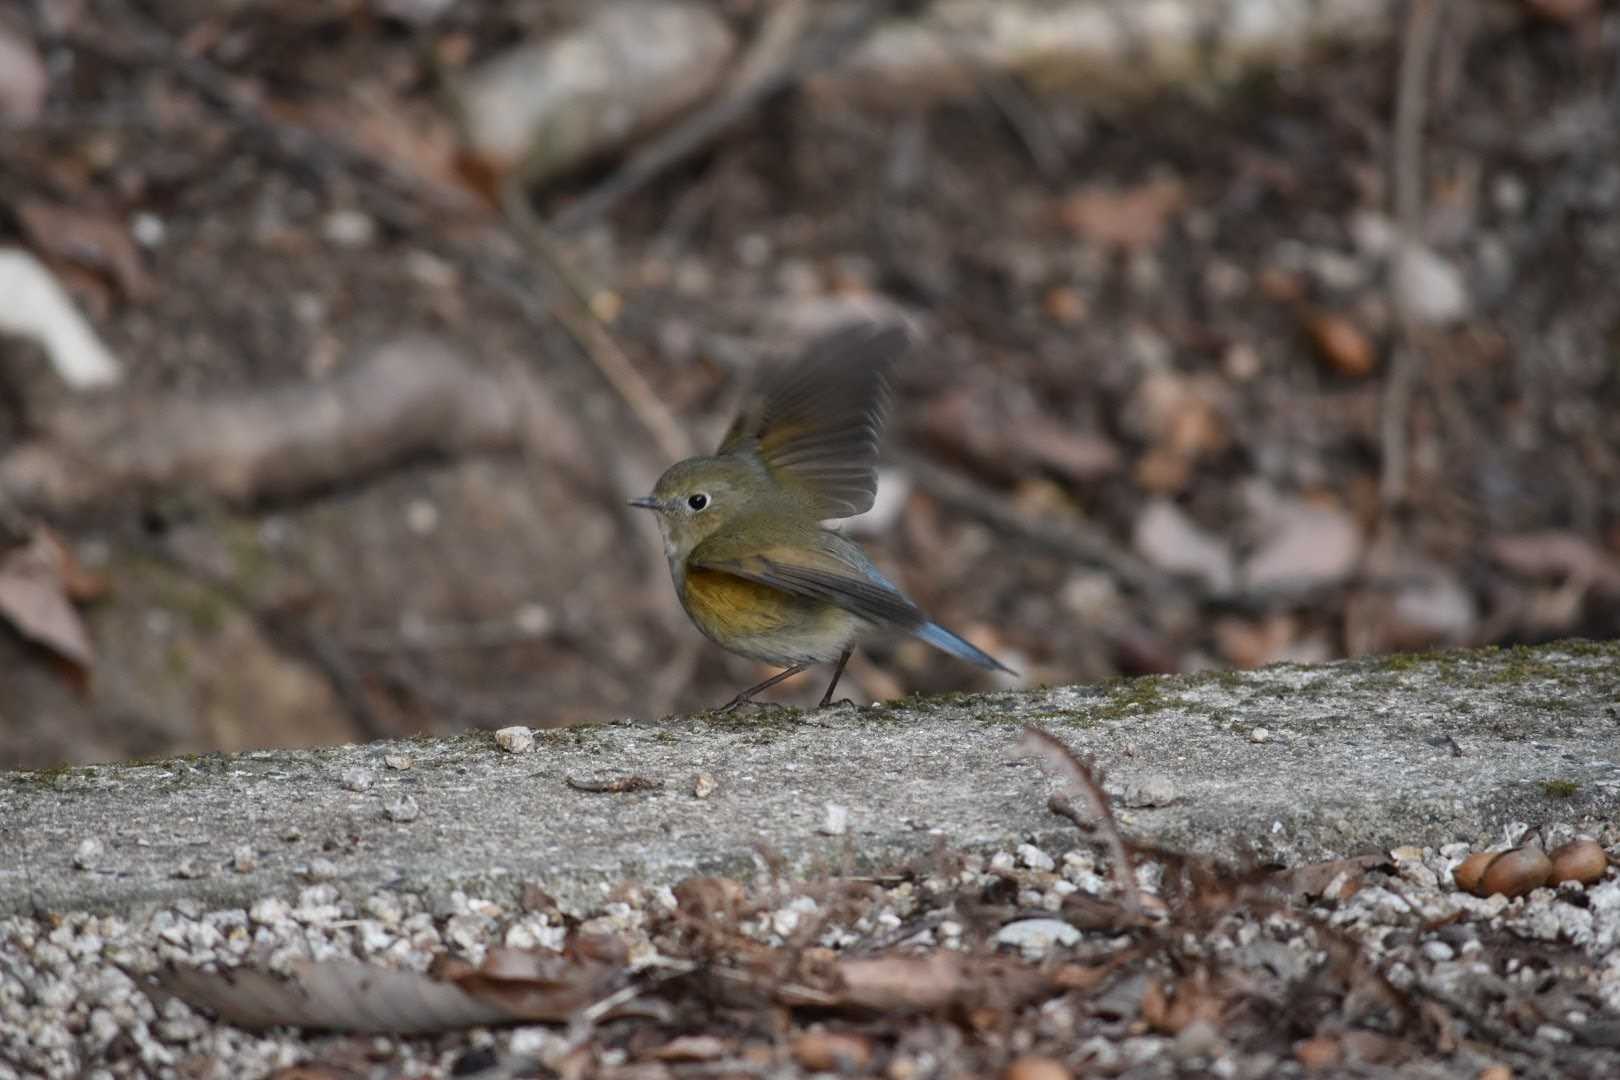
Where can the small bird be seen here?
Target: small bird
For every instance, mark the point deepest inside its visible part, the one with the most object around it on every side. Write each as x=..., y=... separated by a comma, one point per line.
x=753, y=565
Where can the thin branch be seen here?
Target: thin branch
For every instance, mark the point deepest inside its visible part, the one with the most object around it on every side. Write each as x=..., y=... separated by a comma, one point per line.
x=769, y=70
x=1080, y=775
x=1074, y=541
x=1406, y=165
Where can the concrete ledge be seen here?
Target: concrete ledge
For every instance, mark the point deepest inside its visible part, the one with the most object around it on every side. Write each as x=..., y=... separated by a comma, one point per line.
x=1289, y=762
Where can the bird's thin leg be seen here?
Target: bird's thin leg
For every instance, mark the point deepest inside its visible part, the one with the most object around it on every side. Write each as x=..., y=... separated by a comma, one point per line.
x=748, y=695
x=838, y=673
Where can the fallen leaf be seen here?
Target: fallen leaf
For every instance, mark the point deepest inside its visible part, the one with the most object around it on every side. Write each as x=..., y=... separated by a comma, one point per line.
x=1314, y=879
x=695, y=1048
x=1555, y=553
x=832, y=1051
x=35, y=597
x=1130, y=220
x=90, y=239
x=22, y=78
x=336, y=995
x=1342, y=344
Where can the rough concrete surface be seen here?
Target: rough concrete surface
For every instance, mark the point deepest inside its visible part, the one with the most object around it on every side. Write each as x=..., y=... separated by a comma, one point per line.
x=1285, y=763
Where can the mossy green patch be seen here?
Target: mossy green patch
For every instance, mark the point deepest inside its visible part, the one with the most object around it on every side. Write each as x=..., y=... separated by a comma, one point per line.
x=1559, y=789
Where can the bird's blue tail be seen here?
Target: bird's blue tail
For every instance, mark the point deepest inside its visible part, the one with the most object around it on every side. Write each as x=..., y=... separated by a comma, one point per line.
x=942, y=639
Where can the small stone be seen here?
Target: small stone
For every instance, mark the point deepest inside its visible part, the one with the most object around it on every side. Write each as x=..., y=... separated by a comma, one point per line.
x=1037, y=935
x=1427, y=287
x=1170, y=540
x=515, y=740
x=190, y=869
x=320, y=870
x=349, y=228
x=1034, y=858
x=1438, y=951
x=243, y=859
x=402, y=809
x=1259, y=735
x=357, y=779
x=836, y=820
x=1149, y=791
x=398, y=761
x=271, y=911
x=87, y=856
x=703, y=785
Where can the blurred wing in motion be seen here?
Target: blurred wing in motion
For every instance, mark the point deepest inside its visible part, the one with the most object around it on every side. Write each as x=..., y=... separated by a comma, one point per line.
x=816, y=423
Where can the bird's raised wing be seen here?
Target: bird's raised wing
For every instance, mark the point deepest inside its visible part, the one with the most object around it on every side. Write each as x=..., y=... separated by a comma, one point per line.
x=816, y=423
x=818, y=565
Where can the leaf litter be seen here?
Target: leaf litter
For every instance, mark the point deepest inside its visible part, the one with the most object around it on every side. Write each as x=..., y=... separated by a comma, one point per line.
x=1165, y=962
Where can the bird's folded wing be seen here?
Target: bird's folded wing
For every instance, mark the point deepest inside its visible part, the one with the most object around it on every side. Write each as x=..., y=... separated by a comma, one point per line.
x=819, y=575
x=815, y=423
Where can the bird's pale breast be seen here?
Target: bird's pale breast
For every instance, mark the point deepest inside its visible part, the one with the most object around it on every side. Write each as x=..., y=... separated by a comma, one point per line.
x=765, y=623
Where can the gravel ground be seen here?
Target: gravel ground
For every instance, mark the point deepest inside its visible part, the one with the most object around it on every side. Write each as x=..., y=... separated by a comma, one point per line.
x=1336, y=972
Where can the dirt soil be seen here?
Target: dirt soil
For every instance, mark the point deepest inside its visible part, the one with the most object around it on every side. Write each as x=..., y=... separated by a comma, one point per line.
x=1163, y=330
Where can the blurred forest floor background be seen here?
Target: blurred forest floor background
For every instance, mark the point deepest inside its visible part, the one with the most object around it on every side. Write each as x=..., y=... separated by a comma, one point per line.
x=336, y=336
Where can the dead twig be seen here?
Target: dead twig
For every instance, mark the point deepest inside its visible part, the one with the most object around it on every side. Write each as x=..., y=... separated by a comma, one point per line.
x=1080, y=775
x=411, y=398
x=771, y=68
x=1071, y=540
x=1406, y=167
x=590, y=333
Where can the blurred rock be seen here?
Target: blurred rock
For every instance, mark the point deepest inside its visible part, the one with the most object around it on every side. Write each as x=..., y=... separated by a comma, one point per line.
x=548, y=106
x=1427, y=288
x=1172, y=541
x=1423, y=604
x=1251, y=643
x=1306, y=547
x=1374, y=234
x=893, y=492
x=1437, y=610
x=22, y=78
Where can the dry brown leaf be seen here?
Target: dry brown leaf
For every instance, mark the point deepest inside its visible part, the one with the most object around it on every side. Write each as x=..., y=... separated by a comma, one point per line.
x=1557, y=553
x=964, y=422
x=695, y=1048
x=1130, y=220
x=332, y=996
x=89, y=239
x=23, y=79
x=903, y=983
x=36, y=584
x=1035, y=1067
x=1320, y=1052
x=704, y=897
x=1313, y=879
x=1342, y=344
x=832, y=1051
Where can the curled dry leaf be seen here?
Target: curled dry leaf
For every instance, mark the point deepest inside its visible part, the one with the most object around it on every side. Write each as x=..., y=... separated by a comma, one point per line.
x=333, y=996
x=1130, y=220
x=89, y=239
x=832, y=1051
x=896, y=983
x=23, y=79
x=1318, y=879
x=38, y=582
x=1035, y=1067
x=1342, y=344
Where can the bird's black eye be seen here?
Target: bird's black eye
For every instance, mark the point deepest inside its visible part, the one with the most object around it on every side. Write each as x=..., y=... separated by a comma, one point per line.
x=698, y=501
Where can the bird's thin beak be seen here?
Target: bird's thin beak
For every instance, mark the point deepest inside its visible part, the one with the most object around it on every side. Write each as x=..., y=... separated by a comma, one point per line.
x=647, y=502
